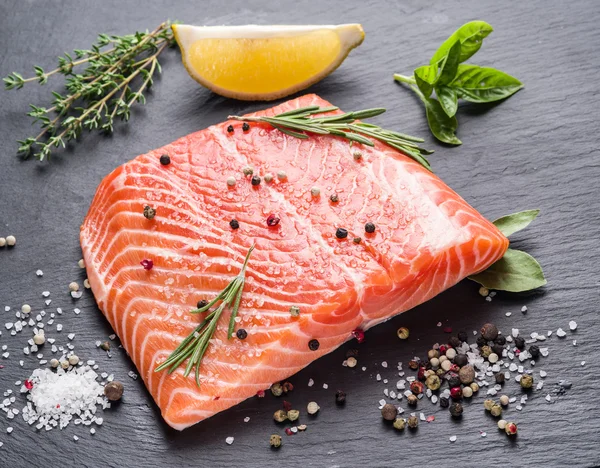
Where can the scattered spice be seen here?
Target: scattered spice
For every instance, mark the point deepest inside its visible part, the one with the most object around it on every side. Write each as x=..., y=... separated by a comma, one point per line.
x=149, y=212
x=467, y=392
x=313, y=344
x=534, y=350
x=389, y=412
x=413, y=422
x=502, y=424
x=403, y=333
x=234, y=223
x=412, y=399
x=370, y=228
x=147, y=264
x=351, y=362
x=456, y=393
x=113, y=390
x=433, y=382
x=496, y=410
x=287, y=387
x=444, y=402
x=201, y=303
x=466, y=374
x=73, y=286
x=504, y=400
x=272, y=220
x=488, y=404
x=341, y=233
x=255, y=180
x=39, y=338
x=281, y=175
x=241, y=334
x=11, y=241
x=230, y=129
x=499, y=377
x=417, y=387
x=165, y=160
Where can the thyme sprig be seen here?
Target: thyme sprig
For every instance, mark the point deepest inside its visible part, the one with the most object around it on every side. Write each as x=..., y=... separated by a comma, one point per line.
x=103, y=91
x=195, y=345
x=299, y=122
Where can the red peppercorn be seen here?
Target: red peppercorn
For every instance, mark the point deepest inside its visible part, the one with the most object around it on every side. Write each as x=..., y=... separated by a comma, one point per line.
x=421, y=373
x=417, y=387
x=287, y=405
x=454, y=368
x=358, y=334
x=447, y=329
x=456, y=393
x=260, y=394
x=147, y=264
x=272, y=220
x=288, y=431
x=443, y=349
x=287, y=387
x=28, y=384
x=511, y=428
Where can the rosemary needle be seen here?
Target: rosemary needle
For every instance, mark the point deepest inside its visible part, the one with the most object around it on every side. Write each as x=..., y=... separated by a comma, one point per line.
x=97, y=94
x=298, y=122
x=195, y=345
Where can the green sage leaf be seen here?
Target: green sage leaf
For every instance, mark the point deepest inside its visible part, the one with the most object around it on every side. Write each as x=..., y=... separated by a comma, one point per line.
x=449, y=66
x=516, y=271
x=470, y=35
x=448, y=100
x=425, y=77
x=484, y=84
x=442, y=126
x=514, y=222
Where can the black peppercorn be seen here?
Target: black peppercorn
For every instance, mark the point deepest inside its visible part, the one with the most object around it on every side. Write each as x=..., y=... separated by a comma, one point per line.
x=230, y=129
x=456, y=410
x=462, y=336
x=245, y=126
x=520, y=342
x=461, y=360
x=201, y=303
x=489, y=331
x=370, y=228
x=352, y=353
x=334, y=198
x=534, y=350
x=341, y=233
x=165, y=159
x=340, y=397
x=313, y=345
x=149, y=212
x=500, y=340
x=481, y=341
x=454, y=341
x=234, y=223
x=357, y=240
x=255, y=180
x=444, y=402
x=496, y=348
x=500, y=377
x=453, y=380
x=241, y=334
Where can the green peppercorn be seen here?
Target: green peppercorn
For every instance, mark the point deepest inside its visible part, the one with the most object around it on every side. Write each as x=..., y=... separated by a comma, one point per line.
x=403, y=333
x=433, y=353
x=357, y=240
x=280, y=415
x=105, y=346
x=456, y=410
x=399, y=424
x=475, y=387
x=488, y=404
x=275, y=440
x=433, y=382
x=413, y=422
x=276, y=389
x=294, y=311
x=357, y=155
x=293, y=415
x=412, y=400
x=485, y=351
x=526, y=381
x=496, y=410
x=466, y=374
x=489, y=331
x=389, y=412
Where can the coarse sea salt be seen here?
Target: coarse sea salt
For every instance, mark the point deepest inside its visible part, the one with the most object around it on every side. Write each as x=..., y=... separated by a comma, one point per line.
x=57, y=398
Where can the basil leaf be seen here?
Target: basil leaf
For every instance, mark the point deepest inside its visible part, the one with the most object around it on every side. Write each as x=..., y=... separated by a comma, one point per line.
x=512, y=223
x=442, y=126
x=448, y=100
x=449, y=65
x=516, y=271
x=483, y=84
x=470, y=36
x=425, y=77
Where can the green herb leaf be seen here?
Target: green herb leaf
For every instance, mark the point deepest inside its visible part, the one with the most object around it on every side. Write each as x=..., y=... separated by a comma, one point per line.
x=516, y=271
x=484, y=84
x=425, y=77
x=515, y=222
x=448, y=99
x=449, y=65
x=442, y=126
x=470, y=35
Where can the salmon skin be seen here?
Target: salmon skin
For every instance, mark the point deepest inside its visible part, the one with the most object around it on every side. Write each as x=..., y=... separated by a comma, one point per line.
x=427, y=238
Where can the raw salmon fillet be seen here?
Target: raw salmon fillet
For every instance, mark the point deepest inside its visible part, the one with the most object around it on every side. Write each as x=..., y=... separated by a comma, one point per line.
x=427, y=239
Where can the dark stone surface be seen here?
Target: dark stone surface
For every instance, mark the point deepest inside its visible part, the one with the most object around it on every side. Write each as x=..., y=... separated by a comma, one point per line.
x=537, y=149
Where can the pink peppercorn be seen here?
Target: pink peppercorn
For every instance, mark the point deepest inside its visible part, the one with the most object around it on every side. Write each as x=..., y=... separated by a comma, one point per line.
x=147, y=264
x=288, y=431
x=28, y=384
x=273, y=220
x=359, y=335
x=443, y=349
x=287, y=405
x=417, y=387
x=260, y=394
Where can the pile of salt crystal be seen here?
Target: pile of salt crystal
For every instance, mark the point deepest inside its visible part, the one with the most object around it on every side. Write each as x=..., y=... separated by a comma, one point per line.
x=57, y=398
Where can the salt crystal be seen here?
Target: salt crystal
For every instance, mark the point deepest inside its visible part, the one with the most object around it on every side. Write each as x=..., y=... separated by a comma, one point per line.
x=5, y=355
x=9, y=430
x=71, y=336
x=515, y=332
x=518, y=407
x=46, y=293
x=363, y=368
x=378, y=377
x=311, y=382
x=543, y=374
x=229, y=440
x=48, y=302
x=561, y=333
x=247, y=419
x=112, y=337
x=572, y=325
x=574, y=342
x=384, y=364
x=385, y=380
x=92, y=431
x=524, y=309
x=393, y=394
x=381, y=403
x=544, y=351
x=386, y=392
x=453, y=438
x=59, y=327
x=77, y=311
x=508, y=314
x=434, y=399
x=8, y=325
x=549, y=333
x=439, y=324
x=582, y=363
x=76, y=294
x=325, y=386
x=6, y=308
x=75, y=438
x=39, y=273
x=483, y=434
x=548, y=398
x=422, y=417
x=132, y=374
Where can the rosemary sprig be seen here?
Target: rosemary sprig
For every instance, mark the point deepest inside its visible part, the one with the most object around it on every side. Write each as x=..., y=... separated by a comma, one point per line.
x=195, y=345
x=103, y=91
x=299, y=122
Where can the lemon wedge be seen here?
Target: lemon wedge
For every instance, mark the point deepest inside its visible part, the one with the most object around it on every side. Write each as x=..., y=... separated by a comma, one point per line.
x=264, y=62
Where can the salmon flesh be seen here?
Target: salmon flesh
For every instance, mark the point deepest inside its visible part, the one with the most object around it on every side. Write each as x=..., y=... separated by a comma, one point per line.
x=427, y=238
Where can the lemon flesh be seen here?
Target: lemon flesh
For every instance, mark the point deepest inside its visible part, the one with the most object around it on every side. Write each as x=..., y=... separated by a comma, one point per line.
x=264, y=62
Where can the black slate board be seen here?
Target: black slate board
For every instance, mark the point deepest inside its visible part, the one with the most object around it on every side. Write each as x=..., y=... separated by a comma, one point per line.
x=537, y=149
